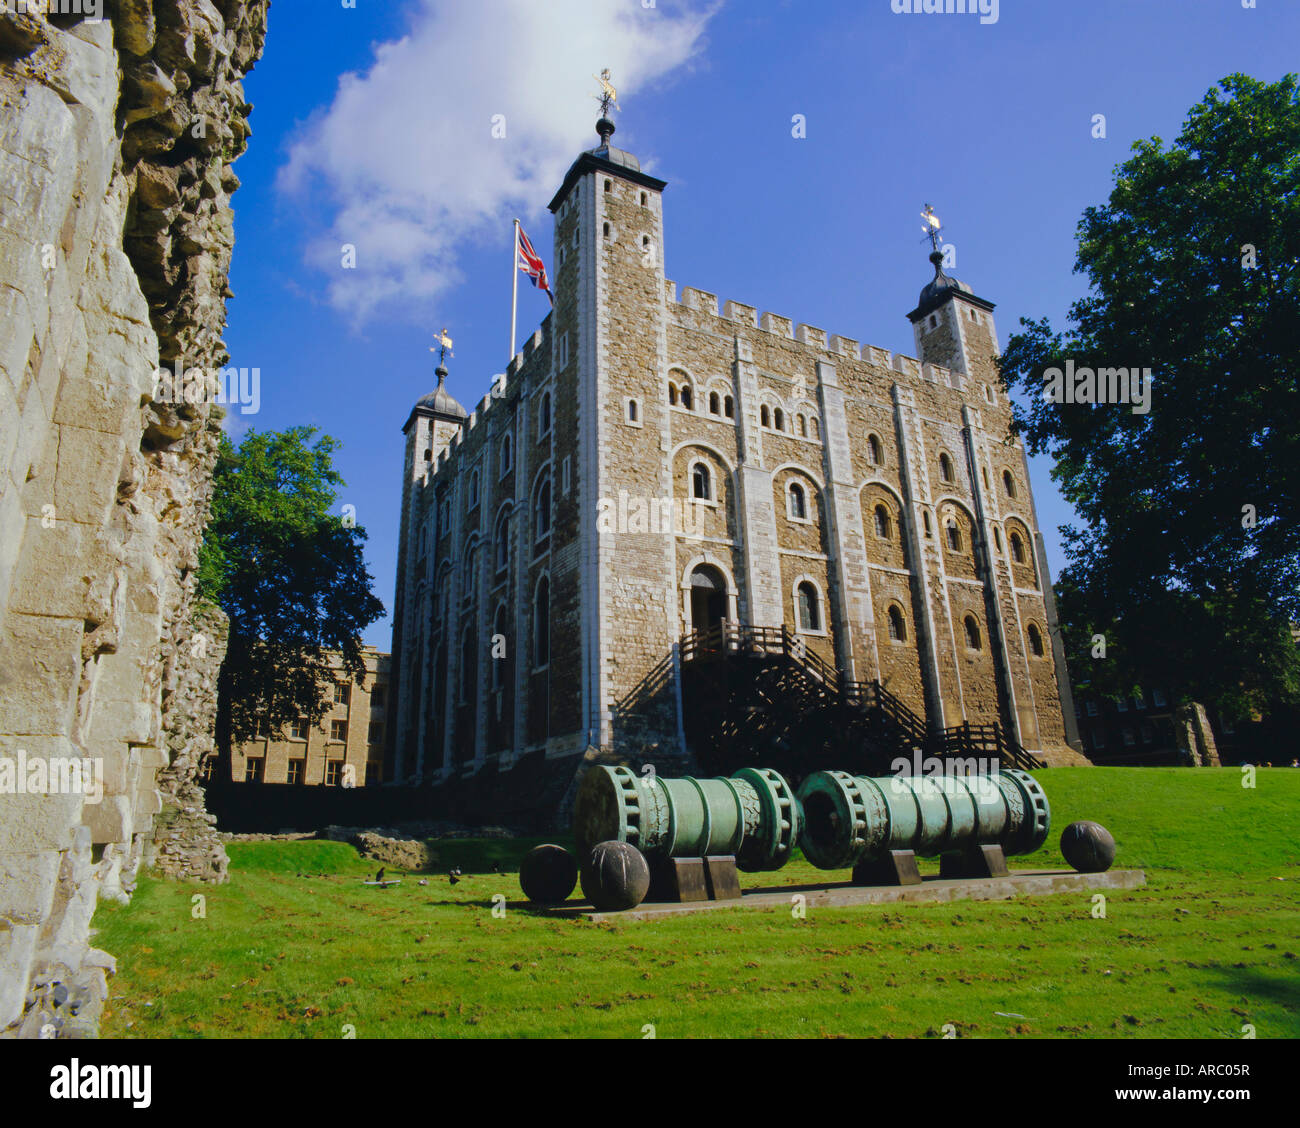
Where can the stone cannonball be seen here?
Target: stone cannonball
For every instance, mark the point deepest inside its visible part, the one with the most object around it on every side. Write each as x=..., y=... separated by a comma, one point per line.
x=615, y=876
x=548, y=874
x=1088, y=847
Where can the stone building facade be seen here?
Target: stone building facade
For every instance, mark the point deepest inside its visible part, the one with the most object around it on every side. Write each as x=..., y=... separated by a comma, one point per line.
x=652, y=464
x=345, y=749
x=117, y=138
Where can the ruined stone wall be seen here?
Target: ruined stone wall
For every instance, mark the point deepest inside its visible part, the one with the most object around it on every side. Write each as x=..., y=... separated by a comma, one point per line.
x=116, y=141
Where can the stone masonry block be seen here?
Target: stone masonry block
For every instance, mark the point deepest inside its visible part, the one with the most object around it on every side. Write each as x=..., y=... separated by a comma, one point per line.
x=40, y=669
x=85, y=485
x=33, y=823
x=110, y=821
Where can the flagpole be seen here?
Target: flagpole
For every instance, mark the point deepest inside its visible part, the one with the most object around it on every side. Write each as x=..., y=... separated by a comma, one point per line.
x=514, y=292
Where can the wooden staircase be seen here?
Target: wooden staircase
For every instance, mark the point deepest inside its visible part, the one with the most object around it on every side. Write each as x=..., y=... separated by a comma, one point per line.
x=757, y=697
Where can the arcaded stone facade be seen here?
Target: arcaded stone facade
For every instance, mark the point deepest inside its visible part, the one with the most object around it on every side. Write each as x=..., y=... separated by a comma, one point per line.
x=651, y=464
x=344, y=749
x=117, y=138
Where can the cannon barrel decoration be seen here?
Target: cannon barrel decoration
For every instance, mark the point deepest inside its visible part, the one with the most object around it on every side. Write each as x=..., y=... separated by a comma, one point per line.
x=852, y=819
x=753, y=815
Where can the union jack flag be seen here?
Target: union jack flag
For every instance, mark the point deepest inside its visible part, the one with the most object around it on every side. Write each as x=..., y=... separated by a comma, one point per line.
x=530, y=262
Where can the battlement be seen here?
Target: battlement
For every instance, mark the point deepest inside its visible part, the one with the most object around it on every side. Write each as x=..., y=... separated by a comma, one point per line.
x=738, y=313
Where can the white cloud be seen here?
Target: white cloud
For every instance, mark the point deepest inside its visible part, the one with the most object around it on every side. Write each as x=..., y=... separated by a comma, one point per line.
x=404, y=164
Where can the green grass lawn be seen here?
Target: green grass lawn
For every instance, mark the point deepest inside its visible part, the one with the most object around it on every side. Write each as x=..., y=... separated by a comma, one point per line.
x=1209, y=945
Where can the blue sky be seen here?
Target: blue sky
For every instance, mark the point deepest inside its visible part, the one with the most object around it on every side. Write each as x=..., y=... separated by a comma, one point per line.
x=373, y=127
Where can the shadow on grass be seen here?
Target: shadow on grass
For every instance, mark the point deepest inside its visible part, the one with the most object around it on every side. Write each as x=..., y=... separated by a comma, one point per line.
x=1251, y=985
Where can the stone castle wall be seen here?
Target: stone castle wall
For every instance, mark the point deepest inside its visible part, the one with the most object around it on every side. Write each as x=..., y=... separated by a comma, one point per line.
x=116, y=143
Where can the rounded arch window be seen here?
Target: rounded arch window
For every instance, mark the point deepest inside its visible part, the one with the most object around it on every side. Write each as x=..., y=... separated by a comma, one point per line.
x=765, y=416
x=544, y=415
x=945, y=468
x=897, y=627
x=1008, y=483
x=798, y=502
x=542, y=511
x=715, y=404
x=473, y=489
x=469, y=667
x=1017, y=547
x=1035, y=640
x=778, y=419
x=499, y=660
x=506, y=455
x=503, y=543
x=809, y=607
x=873, y=450
x=803, y=426
x=972, y=633
x=542, y=623
x=686, y=396
x=728, y=407
x=701, y=482
x=954, y=535
x=884, y=523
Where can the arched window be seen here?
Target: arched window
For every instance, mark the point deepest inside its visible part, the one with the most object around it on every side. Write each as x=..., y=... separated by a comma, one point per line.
x=686, y=397
x=473, y=489
x=897, y=628
x=672, y=395
x=1008, y=483
x=471, y=577
x=544, y=416
x=778, y=419
x=798, y=502
x=428, y=455
x=873, y=450
x=954, y=536
x=945, y=468
x=728, y=407
x=925, y=518
x=542, y=623
x=816, y=427
x=701, y=482
x=503, y=543
x=1017, y=548
x=507, y=455
x=542, y=513
x=810, y=616
x=803, y=426
x=972, y=633
x=715, y=404
x=764, y=416
x=884, y=526
x=499, y=660
x=469, y=668
x=606, y=225
x=633, y=411
x=1035, y=640
x=997, y=538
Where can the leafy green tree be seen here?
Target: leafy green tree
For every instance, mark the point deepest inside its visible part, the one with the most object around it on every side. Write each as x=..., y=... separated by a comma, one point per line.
x=291, y=576
x=1188, y=561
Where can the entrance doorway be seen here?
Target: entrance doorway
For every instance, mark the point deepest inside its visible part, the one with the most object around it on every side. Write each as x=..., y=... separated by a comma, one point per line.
x=708, y=598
